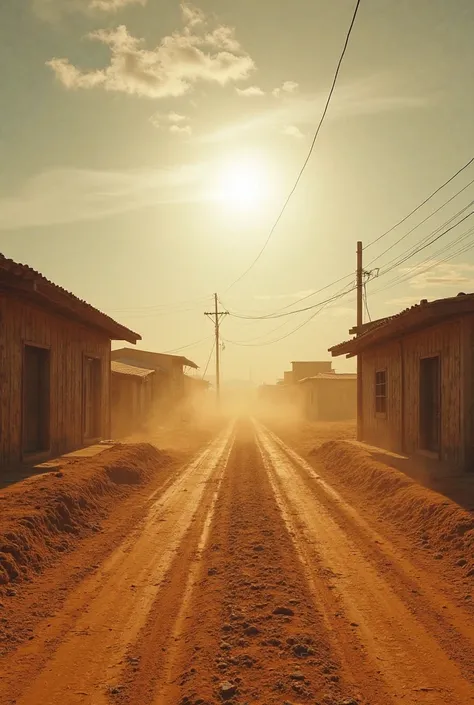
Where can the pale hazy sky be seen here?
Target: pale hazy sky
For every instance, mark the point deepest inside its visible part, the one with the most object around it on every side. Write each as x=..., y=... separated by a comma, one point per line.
x=121, y=119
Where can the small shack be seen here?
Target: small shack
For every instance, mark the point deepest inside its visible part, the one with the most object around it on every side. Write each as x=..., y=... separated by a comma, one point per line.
x=329, y=397
x=417, y=381
x=131, y=398
x=54, y=367
x=169, y=386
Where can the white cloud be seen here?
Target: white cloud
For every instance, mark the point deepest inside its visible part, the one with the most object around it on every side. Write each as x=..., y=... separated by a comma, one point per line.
x=363, y=97
x=71, y=195
x=165, y=119
x=250, y=92
x=170, y=69
x=292, y=131
x=113, y=5
x=192, y=16
x=286, y=87
x=181, y=129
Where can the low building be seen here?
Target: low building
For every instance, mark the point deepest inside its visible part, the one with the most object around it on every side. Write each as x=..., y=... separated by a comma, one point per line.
x=169, y=385
x=54, y=367
x=309, y=368
x=131, y=398
x=417, y=381
x=329, y=397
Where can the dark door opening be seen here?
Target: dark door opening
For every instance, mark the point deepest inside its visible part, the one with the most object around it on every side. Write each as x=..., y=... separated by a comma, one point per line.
x=430, y=404
x=36, y=399
x=92, y=398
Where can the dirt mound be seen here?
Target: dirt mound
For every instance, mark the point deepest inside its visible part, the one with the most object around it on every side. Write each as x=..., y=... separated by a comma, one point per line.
x=44, y=516
x=431, y=519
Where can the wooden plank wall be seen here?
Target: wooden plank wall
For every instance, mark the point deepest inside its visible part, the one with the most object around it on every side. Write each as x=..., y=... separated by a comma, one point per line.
x=453, y=341
x=382, y=430
x=444, y=340
x=68, y=343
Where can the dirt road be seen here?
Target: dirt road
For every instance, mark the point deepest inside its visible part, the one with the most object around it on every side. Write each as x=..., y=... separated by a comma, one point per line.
x=250, y=580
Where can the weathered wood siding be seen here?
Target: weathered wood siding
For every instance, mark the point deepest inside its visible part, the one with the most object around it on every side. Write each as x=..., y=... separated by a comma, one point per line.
x=382, y=429
x=23, y=323
x=399, y=429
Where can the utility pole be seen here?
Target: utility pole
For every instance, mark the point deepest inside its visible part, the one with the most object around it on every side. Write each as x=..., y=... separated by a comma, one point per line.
x=359, y=285
x=216, y=316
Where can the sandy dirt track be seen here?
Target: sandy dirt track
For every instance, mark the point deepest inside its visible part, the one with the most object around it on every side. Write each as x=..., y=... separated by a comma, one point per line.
x=249, y=579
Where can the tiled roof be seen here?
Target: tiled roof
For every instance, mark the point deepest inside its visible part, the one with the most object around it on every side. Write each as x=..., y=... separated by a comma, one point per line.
x=121, y=368
x=409, y=320
x=34, y=286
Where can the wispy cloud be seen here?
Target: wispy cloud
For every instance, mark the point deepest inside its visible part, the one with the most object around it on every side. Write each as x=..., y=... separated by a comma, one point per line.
x=72, y=195
x=364, y=97
x=113, y=5
x=286, y=87
x=174, y=122
x=292, y=131
x=172, y=68
x=250, y=92
x=440, y=275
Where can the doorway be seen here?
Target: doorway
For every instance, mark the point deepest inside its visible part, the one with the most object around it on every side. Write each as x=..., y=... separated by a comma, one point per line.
x=36, y=399
x=430, y=404
x=92, y=396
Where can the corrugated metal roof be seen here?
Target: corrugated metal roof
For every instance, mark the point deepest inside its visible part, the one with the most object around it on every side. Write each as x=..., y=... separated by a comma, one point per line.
x=40, y=289
x=121, y=368
x=333, y=376
x=150, y=359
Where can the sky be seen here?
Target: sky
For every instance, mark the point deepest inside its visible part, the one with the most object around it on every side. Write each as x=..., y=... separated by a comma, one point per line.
x=147, y=147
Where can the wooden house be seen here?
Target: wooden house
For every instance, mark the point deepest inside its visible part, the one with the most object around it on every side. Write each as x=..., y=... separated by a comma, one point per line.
x=417, y=380
x=329, y=397
x=54, y=367
x=169, y=385
x=131, y=398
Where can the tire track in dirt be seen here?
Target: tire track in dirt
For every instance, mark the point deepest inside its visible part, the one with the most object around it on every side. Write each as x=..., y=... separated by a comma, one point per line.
x=87, y=641
x=410, y=656
x=251, y=631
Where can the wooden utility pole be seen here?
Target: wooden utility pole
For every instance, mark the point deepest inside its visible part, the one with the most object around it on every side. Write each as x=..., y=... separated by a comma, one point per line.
x=216, y=316
x=360, y=285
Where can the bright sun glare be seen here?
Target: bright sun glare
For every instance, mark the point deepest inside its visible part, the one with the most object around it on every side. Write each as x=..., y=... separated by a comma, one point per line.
x=243, y=183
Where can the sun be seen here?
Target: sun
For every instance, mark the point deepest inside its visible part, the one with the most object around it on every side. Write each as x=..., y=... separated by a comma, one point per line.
x=242, y=183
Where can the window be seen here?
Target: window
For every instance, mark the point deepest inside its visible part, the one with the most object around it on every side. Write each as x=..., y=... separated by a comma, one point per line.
x=36, y=412
x=381, y=392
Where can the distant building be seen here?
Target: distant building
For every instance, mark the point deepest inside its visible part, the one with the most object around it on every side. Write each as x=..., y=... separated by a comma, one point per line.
x=131, y=398
x=301, y=370
x=329, y=397
x=417, y=371
x=169, y=386
x=54, y=367
x=288, y=377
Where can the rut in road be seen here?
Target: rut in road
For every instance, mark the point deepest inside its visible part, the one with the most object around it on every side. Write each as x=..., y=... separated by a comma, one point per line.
x=77, y=657
x=422, y=645
x=251, y=632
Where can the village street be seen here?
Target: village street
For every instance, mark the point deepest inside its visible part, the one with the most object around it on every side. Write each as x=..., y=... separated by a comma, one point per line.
x=246, y=574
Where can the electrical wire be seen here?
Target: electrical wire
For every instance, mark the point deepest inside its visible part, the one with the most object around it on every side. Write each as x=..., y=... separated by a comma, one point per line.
x=185, y=347
x=421, y=223
x=365, y=302
x=311, y=149
x=387, y=232
x=208, y=360
x=291, y=313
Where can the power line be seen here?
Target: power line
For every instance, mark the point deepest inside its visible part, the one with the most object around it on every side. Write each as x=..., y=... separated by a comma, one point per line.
x=290, y=313
x=421, y=223
x=185, y=347
x=387, y=232
x=209, y=360
x=311, y=149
